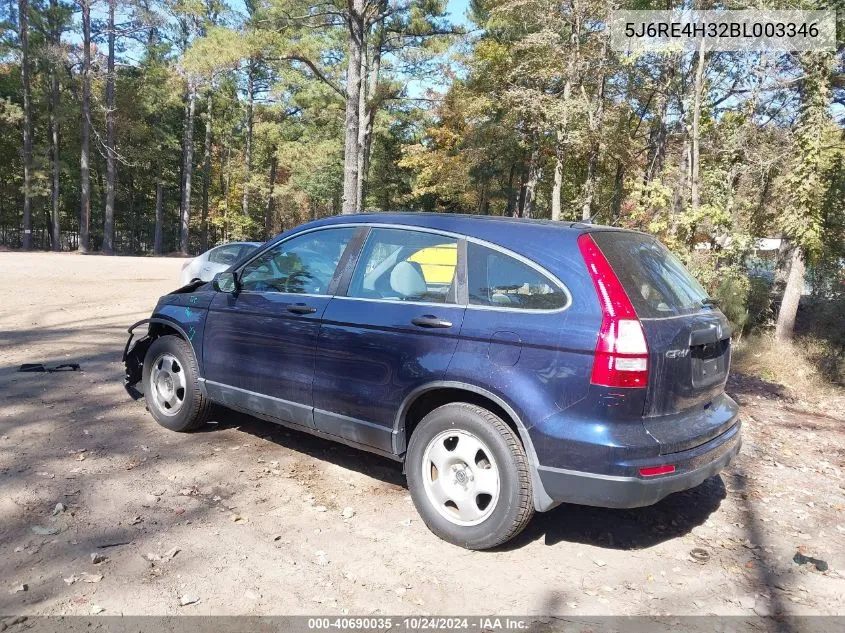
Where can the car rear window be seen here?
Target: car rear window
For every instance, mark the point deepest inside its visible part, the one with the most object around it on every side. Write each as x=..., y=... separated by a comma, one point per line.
x=656, y=281
x=498, y=280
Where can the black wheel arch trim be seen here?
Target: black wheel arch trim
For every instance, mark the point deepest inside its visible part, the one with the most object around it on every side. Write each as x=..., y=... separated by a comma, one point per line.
x=169, y=323
x=542, y=501
x=164, y=321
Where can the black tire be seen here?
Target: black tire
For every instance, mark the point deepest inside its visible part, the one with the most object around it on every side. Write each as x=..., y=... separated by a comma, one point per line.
x=515, y=505
x=194, y=410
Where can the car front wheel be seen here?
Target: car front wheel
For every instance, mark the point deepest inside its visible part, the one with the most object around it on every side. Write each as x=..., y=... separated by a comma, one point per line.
x=468, y=476
x=171, y=386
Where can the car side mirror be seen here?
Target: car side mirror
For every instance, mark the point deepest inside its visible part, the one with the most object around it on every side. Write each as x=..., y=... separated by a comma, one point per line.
x=226, y=282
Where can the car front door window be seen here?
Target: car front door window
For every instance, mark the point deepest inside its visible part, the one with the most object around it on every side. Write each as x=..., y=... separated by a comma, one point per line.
x=300, y=265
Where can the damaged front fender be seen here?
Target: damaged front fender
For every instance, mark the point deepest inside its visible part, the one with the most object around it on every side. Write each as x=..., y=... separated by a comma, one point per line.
x=133, y=359
x=136, y=349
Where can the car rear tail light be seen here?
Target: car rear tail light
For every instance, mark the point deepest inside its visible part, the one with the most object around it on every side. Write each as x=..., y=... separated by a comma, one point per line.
x=657, y=470
x=621, y=358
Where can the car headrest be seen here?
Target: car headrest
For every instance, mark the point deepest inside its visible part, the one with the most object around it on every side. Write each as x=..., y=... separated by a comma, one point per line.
x=407, y=281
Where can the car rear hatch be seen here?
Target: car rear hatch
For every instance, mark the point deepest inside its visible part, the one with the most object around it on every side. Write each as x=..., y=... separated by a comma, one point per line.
x=688, y=340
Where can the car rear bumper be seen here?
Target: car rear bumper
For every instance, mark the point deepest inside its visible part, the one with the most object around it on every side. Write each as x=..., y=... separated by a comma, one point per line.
x=692, y=467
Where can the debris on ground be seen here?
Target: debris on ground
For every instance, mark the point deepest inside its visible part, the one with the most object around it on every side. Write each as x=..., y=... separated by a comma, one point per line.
x=801, y=559
x=186, y=599
x=48, y=530
x=60, y=507
x=97, y=558
x=155, y=558
x=699, y=555
x=83, y=577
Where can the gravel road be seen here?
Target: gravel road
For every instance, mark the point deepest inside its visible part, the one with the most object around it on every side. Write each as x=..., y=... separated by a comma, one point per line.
x=249, y=518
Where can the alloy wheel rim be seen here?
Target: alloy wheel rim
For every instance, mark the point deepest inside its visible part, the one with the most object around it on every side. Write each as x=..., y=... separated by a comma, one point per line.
x=461, y=477
x=167, y=383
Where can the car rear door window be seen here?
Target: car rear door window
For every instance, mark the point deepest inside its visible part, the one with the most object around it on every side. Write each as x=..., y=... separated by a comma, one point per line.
x=406, y=265
x=496, y=279
x=656, y=281
x=299, y=265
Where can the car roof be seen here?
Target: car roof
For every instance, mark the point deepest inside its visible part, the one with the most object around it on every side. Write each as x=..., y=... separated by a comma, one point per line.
x=473, y=225
x=514, y=233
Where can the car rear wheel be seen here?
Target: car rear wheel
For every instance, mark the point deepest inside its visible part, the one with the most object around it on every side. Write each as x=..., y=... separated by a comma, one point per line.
x=468, y=476
x=171, y=388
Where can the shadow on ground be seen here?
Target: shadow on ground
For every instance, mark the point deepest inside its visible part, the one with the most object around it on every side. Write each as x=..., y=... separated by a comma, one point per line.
x=601, y=527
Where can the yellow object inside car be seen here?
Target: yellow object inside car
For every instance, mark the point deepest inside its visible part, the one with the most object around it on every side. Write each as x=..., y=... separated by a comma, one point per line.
x=438, y=263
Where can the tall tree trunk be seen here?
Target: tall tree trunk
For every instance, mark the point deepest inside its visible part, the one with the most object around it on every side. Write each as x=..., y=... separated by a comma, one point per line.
x=206, y=170
x=679, y=195
x=590, y=185
x=135, y=238
x=187, y=168
x=351, y=147
x=226, y=186
x=367, y=107
x=158, y=237
x=520, y=204
x=510, y=207
x=557, y=185
x=362, y=132
x=618, y=192
x=596, y=125
x=271, y=199
x=23, y=18
x=250, y=108
x=534, y=174
x=563, y=128
x=111, y=155
x=785, y=326
x=55, y=36
x=659, y=133
x=695, y=196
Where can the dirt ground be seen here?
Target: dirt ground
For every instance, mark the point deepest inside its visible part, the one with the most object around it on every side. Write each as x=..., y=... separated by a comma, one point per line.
x=248, y=518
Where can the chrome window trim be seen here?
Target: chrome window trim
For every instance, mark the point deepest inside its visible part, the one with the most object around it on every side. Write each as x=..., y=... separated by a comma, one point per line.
x=404, y=303
x=424, y=229
x=292, y=294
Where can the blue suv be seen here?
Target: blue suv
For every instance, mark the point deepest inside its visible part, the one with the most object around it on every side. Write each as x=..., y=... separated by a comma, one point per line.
x=511, y=365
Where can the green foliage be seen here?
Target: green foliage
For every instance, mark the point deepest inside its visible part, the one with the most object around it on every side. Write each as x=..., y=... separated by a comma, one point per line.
x=802, y=217
x=531, y=77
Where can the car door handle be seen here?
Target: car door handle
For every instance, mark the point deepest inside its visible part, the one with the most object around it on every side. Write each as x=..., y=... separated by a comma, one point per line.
x=301, y=308
x=429, y=320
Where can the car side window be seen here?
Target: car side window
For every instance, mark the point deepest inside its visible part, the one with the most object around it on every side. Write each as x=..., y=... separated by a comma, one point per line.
x=406, y=265
x=300, y=265
x=226, y=254
x=499, y=280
